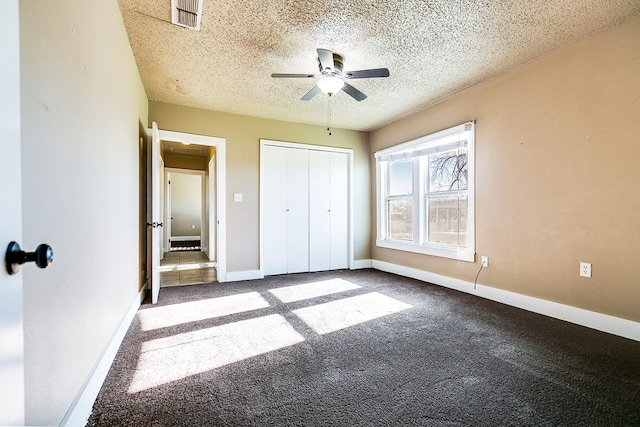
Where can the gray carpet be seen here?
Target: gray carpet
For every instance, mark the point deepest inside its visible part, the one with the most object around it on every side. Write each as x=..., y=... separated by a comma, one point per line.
x=380, y=350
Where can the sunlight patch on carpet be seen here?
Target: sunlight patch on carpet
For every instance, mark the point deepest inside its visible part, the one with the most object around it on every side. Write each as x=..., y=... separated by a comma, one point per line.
x=179, y=356
x=312, y=290
x=175, y=314
x=340, y=314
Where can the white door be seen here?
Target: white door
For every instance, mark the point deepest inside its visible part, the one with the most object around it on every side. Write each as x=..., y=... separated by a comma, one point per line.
x=328, y=210
x=153, y=214
x=319, y=210
x=339, y=189
x=11, y=326
x=274, y=186
x=297, y=212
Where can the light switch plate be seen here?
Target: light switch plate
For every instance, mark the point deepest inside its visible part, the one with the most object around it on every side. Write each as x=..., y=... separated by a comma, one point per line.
x=585, y=269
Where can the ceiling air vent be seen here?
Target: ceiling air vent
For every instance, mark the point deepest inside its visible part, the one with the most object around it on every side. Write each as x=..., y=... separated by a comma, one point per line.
x=186, y=13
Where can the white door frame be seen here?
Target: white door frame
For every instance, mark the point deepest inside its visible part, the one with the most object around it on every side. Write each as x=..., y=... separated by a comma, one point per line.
x=348, y=151
x=220, y=216
x=212, y=200
x=163, y=195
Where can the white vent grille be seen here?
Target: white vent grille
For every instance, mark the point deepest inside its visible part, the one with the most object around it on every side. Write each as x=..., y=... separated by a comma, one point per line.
x=186, y=13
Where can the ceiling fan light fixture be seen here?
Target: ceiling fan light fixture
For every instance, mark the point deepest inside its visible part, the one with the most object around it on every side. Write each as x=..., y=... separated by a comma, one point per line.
x=330, y=84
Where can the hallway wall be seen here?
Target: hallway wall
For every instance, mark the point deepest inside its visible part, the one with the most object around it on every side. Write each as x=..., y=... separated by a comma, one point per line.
x=82, y=103
x=186, y=204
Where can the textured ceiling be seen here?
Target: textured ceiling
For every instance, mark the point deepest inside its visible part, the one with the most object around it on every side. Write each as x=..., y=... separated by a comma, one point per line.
x=432, y=48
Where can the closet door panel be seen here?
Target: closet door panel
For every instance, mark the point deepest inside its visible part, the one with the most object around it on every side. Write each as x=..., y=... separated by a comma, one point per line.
x=319, y=210
x=274, y=210
x=339, y=190
x=297, y=191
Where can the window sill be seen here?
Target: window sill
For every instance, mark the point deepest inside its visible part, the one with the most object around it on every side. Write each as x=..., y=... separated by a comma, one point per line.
x=443, y=252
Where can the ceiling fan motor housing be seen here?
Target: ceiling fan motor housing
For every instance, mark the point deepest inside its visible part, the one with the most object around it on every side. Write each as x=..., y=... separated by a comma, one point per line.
x=338, y=64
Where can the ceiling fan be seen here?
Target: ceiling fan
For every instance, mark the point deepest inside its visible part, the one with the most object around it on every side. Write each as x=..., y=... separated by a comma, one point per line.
x=332, y=79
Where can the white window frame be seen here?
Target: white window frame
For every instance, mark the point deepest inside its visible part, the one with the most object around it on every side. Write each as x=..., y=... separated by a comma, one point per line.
x=416, y=149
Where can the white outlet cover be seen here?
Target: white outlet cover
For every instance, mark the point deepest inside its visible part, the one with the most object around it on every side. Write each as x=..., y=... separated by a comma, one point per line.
x=237, y=197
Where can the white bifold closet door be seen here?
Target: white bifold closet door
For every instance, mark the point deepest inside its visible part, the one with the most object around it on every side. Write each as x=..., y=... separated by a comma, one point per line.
x=328, y=214
x=286, y=210
x=305, y=208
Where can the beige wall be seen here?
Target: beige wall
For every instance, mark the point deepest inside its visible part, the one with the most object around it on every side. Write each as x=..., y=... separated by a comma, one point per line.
x=186, y=204
x=243, y=136
x=184, y=162
x=557, y=151
x=82, y=105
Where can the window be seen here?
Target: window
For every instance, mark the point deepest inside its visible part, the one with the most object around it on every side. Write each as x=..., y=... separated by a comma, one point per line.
x=425, y=194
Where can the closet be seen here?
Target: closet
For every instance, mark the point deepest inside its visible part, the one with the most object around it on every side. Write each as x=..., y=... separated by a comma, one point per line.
x=305, y=208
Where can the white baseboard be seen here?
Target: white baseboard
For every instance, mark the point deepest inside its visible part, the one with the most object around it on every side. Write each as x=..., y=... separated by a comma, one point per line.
x=236, y=276
x=80, y=409
x=183, y=238
x=361, y=263
x=601, y=322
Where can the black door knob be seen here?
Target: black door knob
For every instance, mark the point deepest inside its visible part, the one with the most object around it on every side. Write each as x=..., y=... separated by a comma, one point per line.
x=15, y=257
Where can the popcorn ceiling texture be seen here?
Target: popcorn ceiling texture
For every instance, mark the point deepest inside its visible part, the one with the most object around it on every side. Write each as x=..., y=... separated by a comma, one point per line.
x=432, y=48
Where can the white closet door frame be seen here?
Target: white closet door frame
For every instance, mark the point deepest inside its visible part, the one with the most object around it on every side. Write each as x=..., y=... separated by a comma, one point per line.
x=285, y=144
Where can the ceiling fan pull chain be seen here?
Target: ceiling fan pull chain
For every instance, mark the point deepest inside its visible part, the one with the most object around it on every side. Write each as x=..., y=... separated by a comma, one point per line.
x=329, y=114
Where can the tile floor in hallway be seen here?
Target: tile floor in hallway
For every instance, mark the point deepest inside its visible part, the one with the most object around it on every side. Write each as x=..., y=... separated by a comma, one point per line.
x=186, y=268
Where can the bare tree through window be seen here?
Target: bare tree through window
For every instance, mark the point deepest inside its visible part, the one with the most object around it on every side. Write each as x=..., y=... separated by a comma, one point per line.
x=447, y=213
x=448, y=171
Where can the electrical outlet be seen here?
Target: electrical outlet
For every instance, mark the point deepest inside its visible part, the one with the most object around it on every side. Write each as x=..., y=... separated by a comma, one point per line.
x=585, y=269
x=485, y=261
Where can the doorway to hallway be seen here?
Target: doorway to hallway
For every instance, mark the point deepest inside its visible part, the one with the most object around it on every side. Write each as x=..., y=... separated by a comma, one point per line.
x=208, y=264
x=180, y=268
x=186, y=214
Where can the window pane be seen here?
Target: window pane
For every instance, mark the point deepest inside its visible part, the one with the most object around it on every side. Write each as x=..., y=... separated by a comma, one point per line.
x=400, y=217
x=448, y=171
x=400, y=178
x=448, y=220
